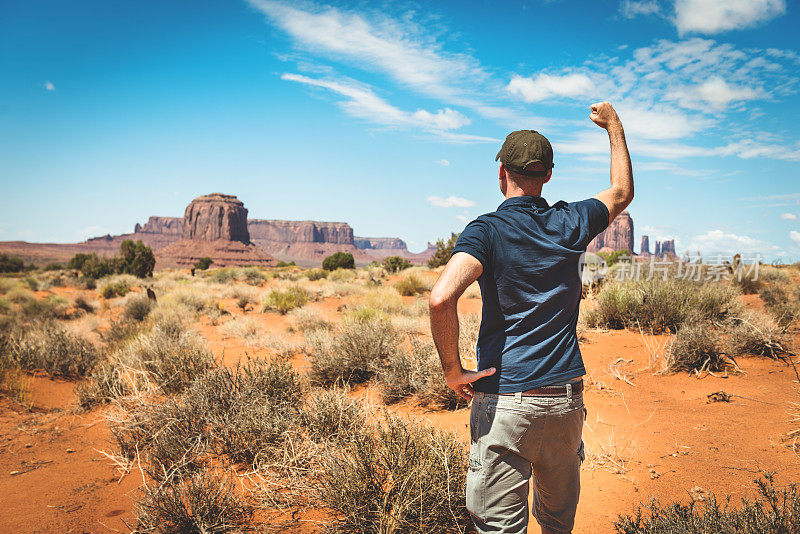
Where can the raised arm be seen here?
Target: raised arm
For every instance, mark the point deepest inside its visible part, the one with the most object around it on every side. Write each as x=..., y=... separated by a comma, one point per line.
x=460, y=272
x=620, y=194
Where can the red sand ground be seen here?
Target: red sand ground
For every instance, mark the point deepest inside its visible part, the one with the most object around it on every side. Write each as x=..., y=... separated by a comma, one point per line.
x=53, y=479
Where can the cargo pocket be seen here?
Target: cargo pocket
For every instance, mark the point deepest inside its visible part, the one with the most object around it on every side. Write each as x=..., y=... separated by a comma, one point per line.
x=476, y=484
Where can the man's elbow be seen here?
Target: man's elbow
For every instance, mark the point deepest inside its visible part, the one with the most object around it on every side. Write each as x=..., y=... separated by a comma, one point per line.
x=439, y=300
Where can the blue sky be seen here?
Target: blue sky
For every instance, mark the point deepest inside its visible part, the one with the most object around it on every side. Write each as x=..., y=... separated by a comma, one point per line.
x=388, y=115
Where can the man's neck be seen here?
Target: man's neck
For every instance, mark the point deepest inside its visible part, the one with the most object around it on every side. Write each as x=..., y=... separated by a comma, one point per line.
x=519, y=192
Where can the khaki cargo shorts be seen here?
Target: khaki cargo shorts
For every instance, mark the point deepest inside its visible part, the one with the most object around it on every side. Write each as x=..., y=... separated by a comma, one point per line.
x=512, y=438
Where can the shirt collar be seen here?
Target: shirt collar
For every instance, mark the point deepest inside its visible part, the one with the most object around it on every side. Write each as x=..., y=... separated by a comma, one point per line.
x=524, y=201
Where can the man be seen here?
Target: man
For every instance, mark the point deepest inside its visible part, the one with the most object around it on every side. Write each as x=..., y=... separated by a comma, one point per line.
x=527, y=405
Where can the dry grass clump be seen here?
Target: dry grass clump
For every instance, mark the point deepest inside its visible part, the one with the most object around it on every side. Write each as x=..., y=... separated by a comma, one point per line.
x=410, y=285
x=696, y=348
x=137, y=306
x=331, y=415
x=342, y=275
x=384, y=299
x=307, y=320
x=253, y=276
x=284, y=300
x=316, y=274
x=248, y=329
x=48, y=346
x=395, y=476
x=661, y=305
x=191, y=299
x=775, y=510
x=203, y=503
x=351, y=352
x=757, y=334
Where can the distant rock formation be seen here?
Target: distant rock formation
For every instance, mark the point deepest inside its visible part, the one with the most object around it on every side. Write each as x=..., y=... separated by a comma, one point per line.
x=644, y=248
x=380, y=243
x=214, y=226
x=300, y=231
x=216, y=216
x=618, y=236
x=665, y=248
x=161, y=226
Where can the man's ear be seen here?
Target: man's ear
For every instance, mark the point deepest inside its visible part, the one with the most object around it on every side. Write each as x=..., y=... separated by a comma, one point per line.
x=547, y=178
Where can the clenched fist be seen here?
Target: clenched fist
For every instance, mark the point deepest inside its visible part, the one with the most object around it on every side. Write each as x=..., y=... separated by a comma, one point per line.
x=604, y=116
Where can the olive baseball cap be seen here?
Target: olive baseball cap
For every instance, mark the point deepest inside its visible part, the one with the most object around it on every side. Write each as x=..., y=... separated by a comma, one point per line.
x=522, y=149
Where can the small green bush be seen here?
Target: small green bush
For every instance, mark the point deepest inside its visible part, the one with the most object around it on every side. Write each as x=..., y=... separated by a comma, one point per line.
x=281, y=264
x=339, y=260
x=612, y=258
x=395, y=264
x=114, y=289
x=135, y=258
x=444, y=250
x=316, y=274
x=95, y=267
x=410, y=286
x=203, y=263
x=11, y=265
x=284, y=300
x=53, y=267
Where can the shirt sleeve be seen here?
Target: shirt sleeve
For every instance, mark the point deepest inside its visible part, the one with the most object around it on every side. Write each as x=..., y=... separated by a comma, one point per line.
x=593, y=217
x=475, y=241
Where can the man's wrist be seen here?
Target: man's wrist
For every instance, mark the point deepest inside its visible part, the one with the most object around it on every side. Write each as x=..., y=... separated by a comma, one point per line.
x=615, y=130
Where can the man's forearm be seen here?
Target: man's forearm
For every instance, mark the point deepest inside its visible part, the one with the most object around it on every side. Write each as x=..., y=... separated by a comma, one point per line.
x=621, y=168
x=445, y=331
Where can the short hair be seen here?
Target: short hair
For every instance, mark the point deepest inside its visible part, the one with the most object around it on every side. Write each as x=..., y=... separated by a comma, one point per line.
x=521, y=178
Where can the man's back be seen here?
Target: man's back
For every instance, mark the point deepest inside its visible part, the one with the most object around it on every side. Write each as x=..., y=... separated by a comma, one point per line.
x=531, y=288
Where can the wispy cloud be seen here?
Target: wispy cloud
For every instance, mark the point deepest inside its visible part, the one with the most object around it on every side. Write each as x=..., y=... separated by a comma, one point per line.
x=788, y=216
x=462, y=218
x=715, y=16
x=795, y=236
x=48, y=86
x=722, y=242
x=450, y=202
x=633, y=8
x=715, y=92
x=545, y=86
x=444, y=162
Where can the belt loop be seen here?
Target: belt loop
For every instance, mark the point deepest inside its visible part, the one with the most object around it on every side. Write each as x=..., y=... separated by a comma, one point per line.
x=518, y=397
x=569, y=392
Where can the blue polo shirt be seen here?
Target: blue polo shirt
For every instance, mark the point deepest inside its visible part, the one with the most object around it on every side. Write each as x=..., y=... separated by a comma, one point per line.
x=531, y=289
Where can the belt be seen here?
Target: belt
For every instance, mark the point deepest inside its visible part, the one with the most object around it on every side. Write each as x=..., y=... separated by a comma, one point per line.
x=552, y=391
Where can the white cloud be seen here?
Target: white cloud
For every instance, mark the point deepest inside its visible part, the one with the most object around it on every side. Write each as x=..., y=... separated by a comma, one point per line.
x=362, y=102
x=714, y=16
x=450, y=202
x=546, y=86
x=633, y=8
x=462, y=218
x=795, y=236
x=443, y=163
x=788, y=216
x=48, y=86
x=722, y=242
x=715, y=92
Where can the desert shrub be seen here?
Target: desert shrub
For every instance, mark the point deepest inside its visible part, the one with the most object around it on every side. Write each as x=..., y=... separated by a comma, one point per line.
x=444, y=250
x=281, y=264
x=395, y=264
x=119, y=331
x=660, y=305
x=350, y=353
x=384, y=299
x=76, y=262
x=19, y=295
x=339, y=260
x=53, y=267
x=755, y=333
x=5, y=306
x=223, y=275
x=613, y=257
x=95, y=267
x=331, y=415
x=48, y=346
x=81, y=303
x=782, y=304
x=305, y=320
x=114, y=289
x=190, y=299
x=52, y=307
x=9, y=264
x=203, y=503
x=775, y=510
x=342, y=275
x=316, y=274
x=106, y=383
x=400, y=474
x=284, y=300
x=252, y=276
x=31, y=282
x=13, y=381
x=137, y=307
x=203, y=263
x=172, y=356
x=246, y=328
x=695, y=348
x=409, y=286
x=135, y=258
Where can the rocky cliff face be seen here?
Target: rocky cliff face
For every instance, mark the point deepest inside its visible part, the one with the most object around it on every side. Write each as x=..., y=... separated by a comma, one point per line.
x=161, y=226
x=300, y=231
x=380, y=243
x=644, y=248
x=665, y=248
x=216, y=217
x=618, y=236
